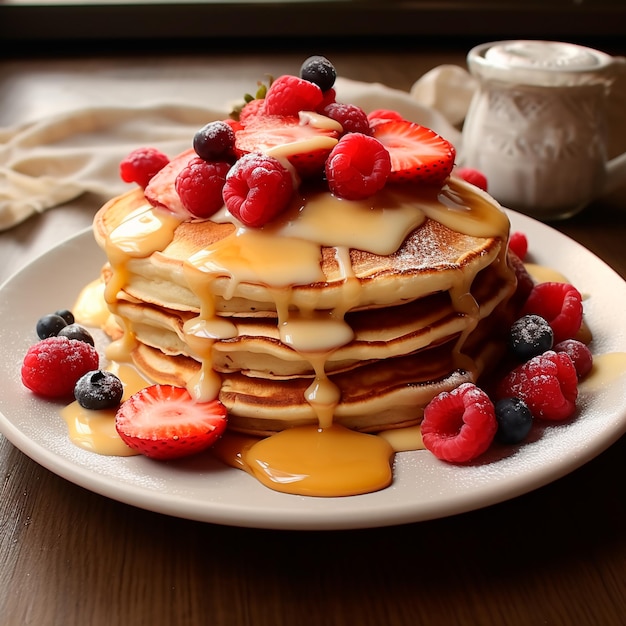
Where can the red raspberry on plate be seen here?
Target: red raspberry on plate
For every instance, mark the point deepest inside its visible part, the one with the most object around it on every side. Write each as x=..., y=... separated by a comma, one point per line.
x=579, y=353
x=357, y=167
x=164, y=422
x=459, y=425
x=257, y=189
x=472, y=176
x=52, y=366
x=518, y=243
x=288, y=95
x=141, y=165
x=560, y=304
x=199, y=185
x=548, y=383
x=352, y=118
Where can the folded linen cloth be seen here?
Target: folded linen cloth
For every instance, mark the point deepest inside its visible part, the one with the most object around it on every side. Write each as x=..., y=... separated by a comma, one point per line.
x=50, y=161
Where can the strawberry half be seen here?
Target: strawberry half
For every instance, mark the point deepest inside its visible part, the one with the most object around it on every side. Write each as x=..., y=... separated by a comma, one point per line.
x=305, y=145
x=161, y=191
x=417, y=153
x=164, y=422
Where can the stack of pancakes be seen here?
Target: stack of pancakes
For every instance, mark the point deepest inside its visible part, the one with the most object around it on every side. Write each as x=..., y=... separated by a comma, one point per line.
x=419, y=319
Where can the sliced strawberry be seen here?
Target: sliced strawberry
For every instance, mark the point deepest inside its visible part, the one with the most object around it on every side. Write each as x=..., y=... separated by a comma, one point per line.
x=161, y=191
x=305, y=144
x=164, y=422
x=382, y=116
x=417, y=153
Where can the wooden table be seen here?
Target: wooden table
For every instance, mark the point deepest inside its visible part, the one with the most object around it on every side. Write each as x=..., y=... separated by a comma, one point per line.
x=70, y=557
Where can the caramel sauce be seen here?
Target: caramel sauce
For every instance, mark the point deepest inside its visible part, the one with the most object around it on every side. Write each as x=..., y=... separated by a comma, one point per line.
x=607, y=368
x=331, y=461
x=542, y=274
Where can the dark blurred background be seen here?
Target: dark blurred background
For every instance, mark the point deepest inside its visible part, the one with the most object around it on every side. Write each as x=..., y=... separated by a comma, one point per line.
x=52, y=26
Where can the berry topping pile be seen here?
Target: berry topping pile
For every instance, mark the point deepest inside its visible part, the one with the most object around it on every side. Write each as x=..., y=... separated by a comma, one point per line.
x=160, y=421
x=292, y=132
x=546, y=360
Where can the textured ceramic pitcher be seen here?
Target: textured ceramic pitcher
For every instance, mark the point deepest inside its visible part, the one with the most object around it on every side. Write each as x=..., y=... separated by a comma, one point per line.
x=536, y=126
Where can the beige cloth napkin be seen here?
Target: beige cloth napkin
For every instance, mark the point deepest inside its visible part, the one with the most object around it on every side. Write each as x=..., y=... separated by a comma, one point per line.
x=53, y=160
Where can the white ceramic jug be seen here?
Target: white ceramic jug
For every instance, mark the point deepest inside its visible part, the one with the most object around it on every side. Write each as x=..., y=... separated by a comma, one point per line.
x=536, y=126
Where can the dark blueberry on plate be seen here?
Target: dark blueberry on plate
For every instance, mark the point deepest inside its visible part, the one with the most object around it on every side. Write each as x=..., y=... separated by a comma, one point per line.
x=98, y=390
x=514, y=420
x=75, y=331
x=67, y=315
x=50, y=325
x=530, y=336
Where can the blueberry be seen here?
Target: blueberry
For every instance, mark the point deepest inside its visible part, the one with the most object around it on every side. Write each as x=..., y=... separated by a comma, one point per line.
x=67, y=315
x=514, y=420
x=214, y=141
x=530, y=336
x=319, y=70
x=98, y=389
x=75, y=331
x=50, y=325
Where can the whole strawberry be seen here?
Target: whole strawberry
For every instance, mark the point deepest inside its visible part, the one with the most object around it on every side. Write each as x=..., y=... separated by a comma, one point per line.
x=52, y=366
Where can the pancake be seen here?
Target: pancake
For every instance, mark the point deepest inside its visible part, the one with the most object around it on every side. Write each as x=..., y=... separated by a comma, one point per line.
x=382, y=318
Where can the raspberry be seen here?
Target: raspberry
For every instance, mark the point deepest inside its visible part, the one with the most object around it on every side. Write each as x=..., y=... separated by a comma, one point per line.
x=352, y=118
x=530, y=336
x=472, y=176
x=141, y=165
x=329, y=97
x=52, y=366
x=319, y=70
x=560, y=304
x=548, y=384
x=518, y=243
x=199, y=186
x=288, y=95
x=357, y=167
x=257, y=189
x=579, y=353
x=214, y=141
x=459, y=425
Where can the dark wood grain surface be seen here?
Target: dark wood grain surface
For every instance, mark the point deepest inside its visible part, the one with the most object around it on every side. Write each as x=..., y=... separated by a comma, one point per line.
x=69, y=557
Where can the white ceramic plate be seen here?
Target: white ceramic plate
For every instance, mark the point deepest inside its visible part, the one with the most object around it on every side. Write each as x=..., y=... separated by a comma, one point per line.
x=203, y=489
